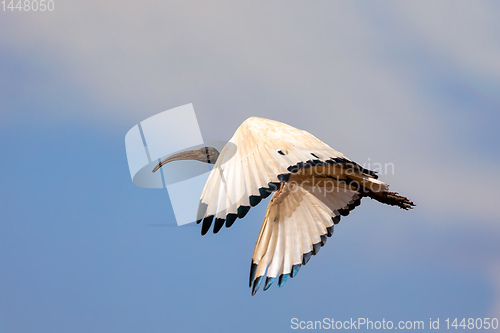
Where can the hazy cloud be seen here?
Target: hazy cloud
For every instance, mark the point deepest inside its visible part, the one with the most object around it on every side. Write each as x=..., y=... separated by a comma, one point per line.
x=412, y=83
x=354, y=74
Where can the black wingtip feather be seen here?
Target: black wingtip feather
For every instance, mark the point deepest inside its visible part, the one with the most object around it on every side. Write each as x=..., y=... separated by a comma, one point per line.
x=219, y=223
x=207, y=222
x=306, y=257
x=242, y=211
x=265, y=192
x=316, y=248
x=355, y=204
x=230, y=218
x=254, y=200
x=284, y=177
x=344, y=212
x=282, y=279
x=269, y=282
x=274, y=186
x=253, y=270
x=256, y=285
x=303, y=165
x=295, y=270
x=314, y=162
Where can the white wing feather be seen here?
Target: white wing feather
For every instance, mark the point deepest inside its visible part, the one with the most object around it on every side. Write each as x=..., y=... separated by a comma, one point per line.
x=259, y=156
x=297, y=223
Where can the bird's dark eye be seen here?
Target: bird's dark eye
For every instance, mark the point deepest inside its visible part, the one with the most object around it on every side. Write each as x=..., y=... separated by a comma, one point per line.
x=280, y=152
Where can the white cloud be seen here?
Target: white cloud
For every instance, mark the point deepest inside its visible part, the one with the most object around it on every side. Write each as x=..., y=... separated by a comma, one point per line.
x=351, y=73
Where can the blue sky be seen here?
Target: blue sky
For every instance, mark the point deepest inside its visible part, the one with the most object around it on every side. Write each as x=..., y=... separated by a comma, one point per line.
x=411, y=83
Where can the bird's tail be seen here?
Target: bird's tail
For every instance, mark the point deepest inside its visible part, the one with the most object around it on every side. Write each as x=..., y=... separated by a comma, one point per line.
x=375, y=189
x=390, y=198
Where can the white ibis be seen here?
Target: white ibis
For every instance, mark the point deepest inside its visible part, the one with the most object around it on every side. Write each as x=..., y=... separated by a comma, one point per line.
x=313, y=184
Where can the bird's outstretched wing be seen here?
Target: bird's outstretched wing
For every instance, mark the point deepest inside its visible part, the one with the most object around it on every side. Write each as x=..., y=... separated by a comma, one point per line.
x=260, y=156
x=297, y=223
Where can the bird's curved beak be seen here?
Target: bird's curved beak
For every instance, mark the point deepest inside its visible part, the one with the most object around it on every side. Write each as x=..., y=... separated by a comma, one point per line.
x=206, y=154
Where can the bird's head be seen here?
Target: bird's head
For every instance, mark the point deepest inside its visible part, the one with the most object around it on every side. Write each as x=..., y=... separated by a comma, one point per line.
x=205, y=154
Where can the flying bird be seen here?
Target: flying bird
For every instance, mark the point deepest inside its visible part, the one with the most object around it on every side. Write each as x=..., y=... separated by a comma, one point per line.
x=313, y=185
